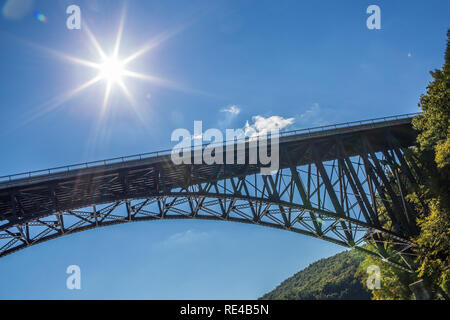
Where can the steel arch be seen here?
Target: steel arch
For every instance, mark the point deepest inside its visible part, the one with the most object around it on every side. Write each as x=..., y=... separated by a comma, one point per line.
x=329, y=186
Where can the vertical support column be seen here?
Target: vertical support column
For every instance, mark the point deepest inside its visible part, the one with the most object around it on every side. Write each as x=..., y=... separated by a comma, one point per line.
x=53, y=197
x=14, y=204
x=129, y=211
x=337, y=206
x=275, y=195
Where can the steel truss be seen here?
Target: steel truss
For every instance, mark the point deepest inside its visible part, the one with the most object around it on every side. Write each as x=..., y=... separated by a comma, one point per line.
x=322, y=191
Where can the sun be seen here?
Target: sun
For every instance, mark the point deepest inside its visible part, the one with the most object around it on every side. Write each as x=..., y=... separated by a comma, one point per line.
x=112, y=70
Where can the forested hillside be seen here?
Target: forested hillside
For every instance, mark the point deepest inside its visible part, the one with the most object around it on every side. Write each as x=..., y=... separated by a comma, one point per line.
x=330, y=278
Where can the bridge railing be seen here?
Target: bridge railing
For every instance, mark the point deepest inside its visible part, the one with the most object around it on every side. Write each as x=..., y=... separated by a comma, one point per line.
x=69, y=168
x=348, y=124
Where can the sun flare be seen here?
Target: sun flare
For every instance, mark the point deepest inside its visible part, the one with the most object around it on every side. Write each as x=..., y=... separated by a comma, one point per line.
x=112, y=70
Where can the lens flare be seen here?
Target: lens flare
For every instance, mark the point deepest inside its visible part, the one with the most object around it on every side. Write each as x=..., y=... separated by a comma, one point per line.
x=40, y=16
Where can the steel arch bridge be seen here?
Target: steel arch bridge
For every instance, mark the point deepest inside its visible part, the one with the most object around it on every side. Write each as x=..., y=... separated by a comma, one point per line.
x=331, y=184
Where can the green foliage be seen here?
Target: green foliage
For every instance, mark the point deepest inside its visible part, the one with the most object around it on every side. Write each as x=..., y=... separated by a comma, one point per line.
x=431, y=197
x=434, y=240
x=330, y=278
x=443, y=154
x=434, y=142
x=433, y=125
x=394, y=282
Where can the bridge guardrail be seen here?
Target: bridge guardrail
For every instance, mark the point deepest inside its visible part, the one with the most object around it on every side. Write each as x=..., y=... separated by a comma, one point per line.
x=90, y=164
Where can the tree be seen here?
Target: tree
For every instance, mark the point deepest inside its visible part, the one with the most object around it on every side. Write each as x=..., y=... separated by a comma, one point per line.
x=394, y=282
x=434, y=143
x=433, y=124
x=430, y=198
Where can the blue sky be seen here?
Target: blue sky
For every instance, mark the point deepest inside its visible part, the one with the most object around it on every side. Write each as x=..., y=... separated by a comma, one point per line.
x=313, y=61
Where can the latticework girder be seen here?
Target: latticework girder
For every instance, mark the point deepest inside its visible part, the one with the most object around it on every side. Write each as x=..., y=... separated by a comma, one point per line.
x=330, y=187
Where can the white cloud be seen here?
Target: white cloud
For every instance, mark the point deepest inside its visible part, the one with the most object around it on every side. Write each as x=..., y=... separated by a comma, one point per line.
x=184, y=238
x=263, y=125
x=313, y=116
x=230, y=113
x=233, y=109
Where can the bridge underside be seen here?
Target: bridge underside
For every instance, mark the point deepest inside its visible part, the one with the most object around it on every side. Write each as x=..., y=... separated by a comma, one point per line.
x=330, y=187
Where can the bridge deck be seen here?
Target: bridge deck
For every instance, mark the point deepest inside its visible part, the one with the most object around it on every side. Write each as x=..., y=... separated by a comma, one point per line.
x=26, y=178
x=82, y=185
